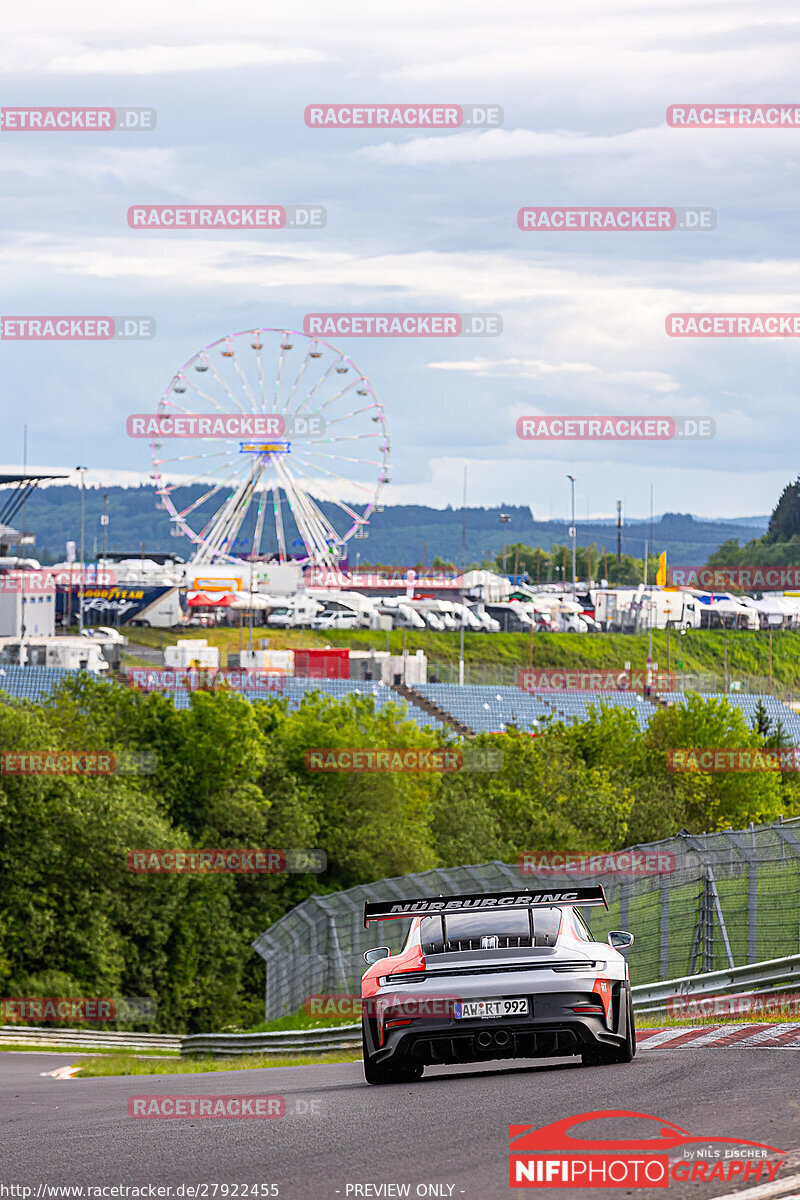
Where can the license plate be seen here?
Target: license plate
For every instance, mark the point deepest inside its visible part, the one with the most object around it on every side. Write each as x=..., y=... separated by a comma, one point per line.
x=491, y=1009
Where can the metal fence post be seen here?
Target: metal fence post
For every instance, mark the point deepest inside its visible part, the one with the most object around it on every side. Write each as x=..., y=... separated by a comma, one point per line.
x=664, y=929
x=752, y=911
x=624, y=898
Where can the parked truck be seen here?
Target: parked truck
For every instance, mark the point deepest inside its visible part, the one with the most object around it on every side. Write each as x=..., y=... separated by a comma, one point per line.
x=635, y=610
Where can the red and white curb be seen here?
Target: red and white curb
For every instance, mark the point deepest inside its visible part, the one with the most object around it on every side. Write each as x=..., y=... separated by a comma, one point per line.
x=763, y=1036
x=62, y=1072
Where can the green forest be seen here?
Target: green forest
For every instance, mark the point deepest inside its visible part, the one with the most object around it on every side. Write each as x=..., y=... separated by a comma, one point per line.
x=75, y=921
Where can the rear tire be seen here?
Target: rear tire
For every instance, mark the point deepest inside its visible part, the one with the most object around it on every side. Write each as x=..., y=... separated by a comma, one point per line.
x=607, y=1055
x=378, y=1073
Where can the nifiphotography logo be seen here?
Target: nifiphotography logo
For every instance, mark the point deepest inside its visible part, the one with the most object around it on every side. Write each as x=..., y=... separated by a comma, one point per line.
x=553, y=1156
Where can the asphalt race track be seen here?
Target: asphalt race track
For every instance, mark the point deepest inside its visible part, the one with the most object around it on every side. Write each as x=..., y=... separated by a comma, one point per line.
x=450, y=1129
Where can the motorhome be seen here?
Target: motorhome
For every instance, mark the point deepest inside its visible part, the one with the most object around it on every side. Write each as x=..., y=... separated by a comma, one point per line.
x=437, y=614
x=337, y=618
x=68, y=653
x=402, y=616
x=487, y=623
x=337, y=611
x=191, y=652
x=295, y=612
x=721, y=610
x=511, y=617
x=464, y=616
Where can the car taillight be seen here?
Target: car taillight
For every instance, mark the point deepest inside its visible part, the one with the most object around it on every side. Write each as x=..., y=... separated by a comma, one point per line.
x=402, y=977
x=407, y=967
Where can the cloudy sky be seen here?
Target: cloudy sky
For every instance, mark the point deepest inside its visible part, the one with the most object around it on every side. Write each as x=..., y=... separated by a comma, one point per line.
x=418, y=221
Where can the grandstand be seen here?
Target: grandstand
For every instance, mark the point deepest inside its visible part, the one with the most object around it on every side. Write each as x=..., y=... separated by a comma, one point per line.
x=775, y=709
x=481, y=708
x=298, y=688
x=491, y=709
x=487, y=708
x=31, y=683
x=575, y=705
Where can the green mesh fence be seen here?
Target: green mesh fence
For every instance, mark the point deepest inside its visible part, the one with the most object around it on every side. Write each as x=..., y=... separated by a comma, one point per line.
x=723, y=899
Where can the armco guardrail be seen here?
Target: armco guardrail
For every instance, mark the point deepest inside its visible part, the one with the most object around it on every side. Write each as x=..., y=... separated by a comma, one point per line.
x=647, y=998
x=289, y=1041
x=652, y=997
x=88, y=1039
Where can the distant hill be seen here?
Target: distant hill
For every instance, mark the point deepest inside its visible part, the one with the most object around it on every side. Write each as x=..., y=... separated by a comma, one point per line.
x=401, y=534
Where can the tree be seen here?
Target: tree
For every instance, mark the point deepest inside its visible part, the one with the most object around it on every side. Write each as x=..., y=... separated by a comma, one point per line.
x=784, y=523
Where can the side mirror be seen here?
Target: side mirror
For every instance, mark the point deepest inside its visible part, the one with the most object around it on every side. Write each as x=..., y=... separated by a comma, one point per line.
x=620, y=940
x=379, y=952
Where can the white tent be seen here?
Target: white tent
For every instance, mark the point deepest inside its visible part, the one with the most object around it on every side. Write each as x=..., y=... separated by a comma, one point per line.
x=250, y=600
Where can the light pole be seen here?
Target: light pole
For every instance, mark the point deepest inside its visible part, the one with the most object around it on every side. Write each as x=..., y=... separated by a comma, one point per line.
x=680, y=664
x=252, y=553
x=104, y=523
x=463, y=569
x=504, y=520
x=82, y=570
x=572, y=530
x=667, y=615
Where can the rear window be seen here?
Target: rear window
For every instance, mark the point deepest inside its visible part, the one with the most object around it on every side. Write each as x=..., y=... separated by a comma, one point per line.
x=463, y=931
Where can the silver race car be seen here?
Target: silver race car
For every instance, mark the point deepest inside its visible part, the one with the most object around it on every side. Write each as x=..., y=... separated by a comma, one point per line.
x=494, y=975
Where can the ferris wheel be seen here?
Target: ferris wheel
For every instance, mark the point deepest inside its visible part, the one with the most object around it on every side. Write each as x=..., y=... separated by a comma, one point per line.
x=302, y=493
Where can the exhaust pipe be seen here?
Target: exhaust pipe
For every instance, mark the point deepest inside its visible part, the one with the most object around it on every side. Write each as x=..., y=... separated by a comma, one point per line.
x=502, y=1038
x=484, y=1040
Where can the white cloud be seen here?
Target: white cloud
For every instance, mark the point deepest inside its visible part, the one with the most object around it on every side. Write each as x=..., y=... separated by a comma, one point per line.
x=533, y=368
x=159, y=60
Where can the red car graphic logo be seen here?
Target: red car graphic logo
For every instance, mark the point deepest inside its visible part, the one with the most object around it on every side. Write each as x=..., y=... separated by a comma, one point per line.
x=552, y=1156
x=556, y=1136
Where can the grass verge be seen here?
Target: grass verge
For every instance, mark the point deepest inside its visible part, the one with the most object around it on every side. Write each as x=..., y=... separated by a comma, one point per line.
x=126, y=1064
x=698, y=650
x=297, y=1020
x=45, y=1048
x=759, y=1017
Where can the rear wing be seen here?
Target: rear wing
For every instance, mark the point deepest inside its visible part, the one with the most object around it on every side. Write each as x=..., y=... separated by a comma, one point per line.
x=391, y=910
